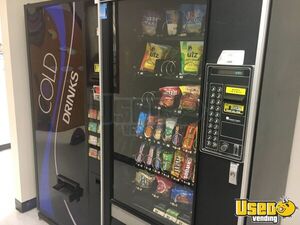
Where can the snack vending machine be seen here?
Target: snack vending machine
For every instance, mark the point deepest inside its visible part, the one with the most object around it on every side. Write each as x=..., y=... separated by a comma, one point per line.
x=63, y=59
x=181, y=89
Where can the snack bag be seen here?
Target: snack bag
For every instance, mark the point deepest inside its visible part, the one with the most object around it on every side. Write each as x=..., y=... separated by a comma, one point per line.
x=144, y=179
x=152, y=54
x=150, y=156
x=191, y=55
x=178, y=137
x=170, y=125
x=182, y=195
x=167, y=160
x=189, y=98
x=140, y=155
x=190, y=136
x=150, y=126
x=141, y=123
x=168, y=95
x=187, y=168
x=193, y=16
x=158, y=158
x=177, y=163
x=164, y=186
x=159, y=129
x=149, y=22
x=172, y=19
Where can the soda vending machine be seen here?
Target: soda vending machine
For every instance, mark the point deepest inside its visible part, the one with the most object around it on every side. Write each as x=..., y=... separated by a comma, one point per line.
x=63, y=59
x=184, y=123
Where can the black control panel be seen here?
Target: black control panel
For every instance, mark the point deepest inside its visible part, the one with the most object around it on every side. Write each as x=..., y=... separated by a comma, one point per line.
x=227, y=95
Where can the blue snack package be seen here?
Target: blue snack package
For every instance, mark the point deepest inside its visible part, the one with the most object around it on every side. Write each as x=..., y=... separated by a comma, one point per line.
x=141, y=123
x=182, y=195
x=193, y=16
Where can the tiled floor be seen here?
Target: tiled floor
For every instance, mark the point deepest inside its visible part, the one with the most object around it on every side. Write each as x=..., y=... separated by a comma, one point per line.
x=8, y=214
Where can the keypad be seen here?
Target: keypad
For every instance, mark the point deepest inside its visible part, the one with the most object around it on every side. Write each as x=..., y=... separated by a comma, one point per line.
x=214, y=114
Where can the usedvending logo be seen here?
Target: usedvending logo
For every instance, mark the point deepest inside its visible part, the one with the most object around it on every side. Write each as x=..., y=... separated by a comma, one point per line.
x=265, y=212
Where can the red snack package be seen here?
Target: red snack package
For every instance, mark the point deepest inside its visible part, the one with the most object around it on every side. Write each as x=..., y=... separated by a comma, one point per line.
x=164, y=185
x=168, y=95
x=190, y=136
x=187, y=169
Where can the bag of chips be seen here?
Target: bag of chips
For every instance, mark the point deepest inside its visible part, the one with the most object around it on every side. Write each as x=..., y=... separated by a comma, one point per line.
x=152, y=54
x=182, y=195
x=193, y=16
x=164, y=186
x=168, y=95
x=149, y=22
x=191, y=55
x=189, y=98
x=144, y=179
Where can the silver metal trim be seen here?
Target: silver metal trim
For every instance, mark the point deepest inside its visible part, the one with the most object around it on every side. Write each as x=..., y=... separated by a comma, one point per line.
x=101, y=118
x=126, y=217
x=254, y=98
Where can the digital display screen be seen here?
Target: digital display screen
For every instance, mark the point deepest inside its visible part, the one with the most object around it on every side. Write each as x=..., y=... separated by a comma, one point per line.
x=234, y=108
x=235, y=90
x=230, y=72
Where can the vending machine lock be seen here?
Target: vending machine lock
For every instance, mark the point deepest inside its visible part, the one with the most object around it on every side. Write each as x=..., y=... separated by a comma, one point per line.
x=233, y=173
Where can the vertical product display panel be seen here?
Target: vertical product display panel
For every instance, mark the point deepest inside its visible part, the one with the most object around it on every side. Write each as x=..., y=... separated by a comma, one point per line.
x=159, y=53
x=57, y=67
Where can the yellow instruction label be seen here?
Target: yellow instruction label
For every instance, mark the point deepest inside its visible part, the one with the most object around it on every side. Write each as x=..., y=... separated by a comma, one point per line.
x=235, y=90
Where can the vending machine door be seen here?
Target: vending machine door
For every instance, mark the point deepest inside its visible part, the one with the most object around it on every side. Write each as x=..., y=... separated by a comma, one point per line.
x=57, y=68
x=157, y=65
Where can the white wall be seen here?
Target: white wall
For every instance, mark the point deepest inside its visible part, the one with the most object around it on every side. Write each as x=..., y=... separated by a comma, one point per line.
x=293, y=183
x=17, y=84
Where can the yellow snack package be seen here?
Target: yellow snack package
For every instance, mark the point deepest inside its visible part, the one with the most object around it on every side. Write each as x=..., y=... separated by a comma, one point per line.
x=152, y=54
x=191, y=56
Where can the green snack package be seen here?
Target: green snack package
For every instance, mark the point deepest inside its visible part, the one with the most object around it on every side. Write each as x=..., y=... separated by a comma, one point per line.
x=167, y=160
x=191, y=55
x=92, y=127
